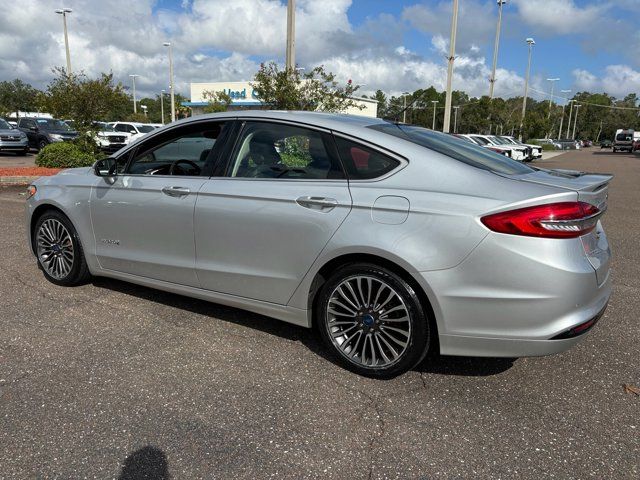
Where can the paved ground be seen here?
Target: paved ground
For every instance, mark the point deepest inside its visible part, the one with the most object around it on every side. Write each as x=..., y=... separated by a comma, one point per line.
x=11, y=160
x=111, y=379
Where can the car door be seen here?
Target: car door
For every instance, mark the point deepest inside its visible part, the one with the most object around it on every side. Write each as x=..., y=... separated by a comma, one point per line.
x=260, y=227
x=143, y=218
x=28, y=127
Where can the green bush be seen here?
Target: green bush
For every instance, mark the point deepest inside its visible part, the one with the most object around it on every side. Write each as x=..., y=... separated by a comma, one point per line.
x=548, y=146
x=64, y=155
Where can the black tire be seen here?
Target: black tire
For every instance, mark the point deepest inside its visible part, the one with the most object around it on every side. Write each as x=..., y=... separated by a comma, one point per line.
x=370, y=322
x=79, y=271
x=42, y=144
x=23, y=153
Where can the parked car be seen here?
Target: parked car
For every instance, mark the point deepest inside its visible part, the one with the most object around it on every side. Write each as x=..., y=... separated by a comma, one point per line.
x=535, y=151
x=568, y=144
x=517, y=153
x=636, y=141
x=606, y=144
x=494, y=148
x=623, y=141
x=12, y=139
x=43, y=131
x=391, y=239
x=133, y=129
x=108, y=139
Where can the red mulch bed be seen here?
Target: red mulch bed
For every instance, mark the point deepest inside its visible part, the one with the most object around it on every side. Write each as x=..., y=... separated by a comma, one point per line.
x=28, y=171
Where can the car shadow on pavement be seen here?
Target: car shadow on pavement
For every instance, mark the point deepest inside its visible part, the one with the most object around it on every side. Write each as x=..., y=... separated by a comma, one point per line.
x=433, y=363
x=145, y=463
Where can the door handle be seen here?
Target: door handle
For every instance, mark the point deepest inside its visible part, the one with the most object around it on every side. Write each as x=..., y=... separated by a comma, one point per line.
x=318, y=203
x=176, y=191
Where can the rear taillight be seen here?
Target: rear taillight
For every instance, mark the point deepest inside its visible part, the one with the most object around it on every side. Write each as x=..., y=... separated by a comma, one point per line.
x=552, y=220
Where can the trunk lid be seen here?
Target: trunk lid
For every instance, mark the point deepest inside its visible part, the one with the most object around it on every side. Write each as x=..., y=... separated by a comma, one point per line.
x=591, y=188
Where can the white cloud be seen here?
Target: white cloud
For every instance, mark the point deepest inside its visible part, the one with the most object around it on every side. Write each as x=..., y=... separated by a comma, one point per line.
x=618, y=80
x=560, y=17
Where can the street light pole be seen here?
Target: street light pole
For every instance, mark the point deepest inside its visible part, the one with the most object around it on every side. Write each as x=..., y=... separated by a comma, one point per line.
x=575, y=122
x=452, y=56
x=133, y=79
x=530, y=42
x=162, y=92
x=553, y=81
x=562, y=117
x=63, y=12
x=404, y=107
x=171, y=85
x=455, y=118
x=435, y=102
x=492, y=80
x=570, y=113
x=291, y=35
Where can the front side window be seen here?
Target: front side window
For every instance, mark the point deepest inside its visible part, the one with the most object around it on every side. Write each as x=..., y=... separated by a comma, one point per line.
x=271, y=150
x=181, y=152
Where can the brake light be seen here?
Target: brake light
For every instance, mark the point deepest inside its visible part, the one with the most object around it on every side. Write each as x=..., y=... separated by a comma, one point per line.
x=552, y=220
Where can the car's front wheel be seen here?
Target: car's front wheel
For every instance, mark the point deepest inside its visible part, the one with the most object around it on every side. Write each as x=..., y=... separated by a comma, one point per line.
x=372, y=320
x=58, y=249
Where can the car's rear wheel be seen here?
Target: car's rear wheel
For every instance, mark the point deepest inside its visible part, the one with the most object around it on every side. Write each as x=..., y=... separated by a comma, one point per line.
x=42, y=144
x=372, y=321
x=58, y=249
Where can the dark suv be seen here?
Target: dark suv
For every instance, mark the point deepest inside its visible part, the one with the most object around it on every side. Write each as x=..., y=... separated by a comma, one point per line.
x=43, y=131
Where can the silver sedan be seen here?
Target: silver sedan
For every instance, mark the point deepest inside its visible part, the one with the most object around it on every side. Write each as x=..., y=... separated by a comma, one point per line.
x=391, y=240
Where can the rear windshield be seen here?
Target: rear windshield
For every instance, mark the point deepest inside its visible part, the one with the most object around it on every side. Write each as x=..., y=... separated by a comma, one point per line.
x=455, y=148
x=624, y=137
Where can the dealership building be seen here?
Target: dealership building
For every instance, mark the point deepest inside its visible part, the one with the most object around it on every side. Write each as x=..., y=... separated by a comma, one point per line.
x=243, y=97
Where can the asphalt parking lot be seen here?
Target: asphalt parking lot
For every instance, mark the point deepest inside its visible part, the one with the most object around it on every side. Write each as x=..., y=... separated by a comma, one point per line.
x=111, y=380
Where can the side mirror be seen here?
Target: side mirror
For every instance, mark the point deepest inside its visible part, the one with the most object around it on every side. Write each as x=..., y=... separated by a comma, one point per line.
x=33, y=128
x=133, y=132
x=105, y=167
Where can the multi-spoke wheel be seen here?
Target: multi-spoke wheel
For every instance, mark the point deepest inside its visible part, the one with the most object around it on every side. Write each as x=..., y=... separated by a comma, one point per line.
x=58, y=250
x=373, y=320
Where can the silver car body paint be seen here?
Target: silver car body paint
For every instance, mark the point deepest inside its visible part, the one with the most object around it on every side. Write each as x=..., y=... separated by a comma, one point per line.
x=249, y=243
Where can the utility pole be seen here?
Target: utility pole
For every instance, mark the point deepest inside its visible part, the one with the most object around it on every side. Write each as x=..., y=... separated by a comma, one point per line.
x=63, y=12
x=404, y=107
x=530, y=42
x=452, y=57
x=435, y=102
x=492, y=80
x=570, y=113
x=133, y=79
x=291, y=35
x=562, y=117
x=455, y=118
x=162, y=105
x=575, y=122
x=171, y=85
x=552, y=80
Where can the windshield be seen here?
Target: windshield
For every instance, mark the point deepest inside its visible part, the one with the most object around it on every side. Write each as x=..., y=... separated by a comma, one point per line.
x=510, y=141
x=4, y=125
x=51, y=124
x=624, y=137
x=103, y=127
x=480, y=140
x=500, y=141
x=455, y=148
x=145, y=128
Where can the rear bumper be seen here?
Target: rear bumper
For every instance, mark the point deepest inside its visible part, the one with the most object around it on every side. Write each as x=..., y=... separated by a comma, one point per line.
x=513, y=295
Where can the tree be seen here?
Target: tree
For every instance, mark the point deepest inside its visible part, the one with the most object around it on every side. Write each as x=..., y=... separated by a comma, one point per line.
x=17, y=95
x=217, y=101
x=84, y=100
x=382, y=103
x=288, y=89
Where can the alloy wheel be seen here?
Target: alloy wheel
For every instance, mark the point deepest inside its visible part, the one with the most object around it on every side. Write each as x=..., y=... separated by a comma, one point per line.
x=368, y=321
x=55, y=248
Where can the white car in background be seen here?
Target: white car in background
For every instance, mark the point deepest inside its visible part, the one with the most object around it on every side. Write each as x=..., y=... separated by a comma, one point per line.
x=134, y=130
x=108, y=139
x=494, y=148
x=520, y=154
x=536, y=150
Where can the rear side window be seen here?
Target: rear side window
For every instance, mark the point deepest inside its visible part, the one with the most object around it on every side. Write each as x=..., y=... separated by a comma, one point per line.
x=455, y=148
x=363, y=163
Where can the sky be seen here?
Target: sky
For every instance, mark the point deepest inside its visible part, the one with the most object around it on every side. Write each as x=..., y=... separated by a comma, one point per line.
x=392, y=45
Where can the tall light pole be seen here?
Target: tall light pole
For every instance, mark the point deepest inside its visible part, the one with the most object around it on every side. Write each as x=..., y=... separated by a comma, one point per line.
x=575, y=122
x=452, y=57
x=553, y=81
x=492, y=80
x=531, y=42
x=562, y=117
x=570, y=112
x=133, y=79
x=455, y=118
x=171, y=85
x=404, y=107
x=162, y=92
x=63, y=12
x=435, y=102
x=291, y=35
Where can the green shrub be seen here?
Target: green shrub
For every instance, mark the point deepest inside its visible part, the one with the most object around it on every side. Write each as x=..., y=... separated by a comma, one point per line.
x=548, y=146
x=64, y=155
